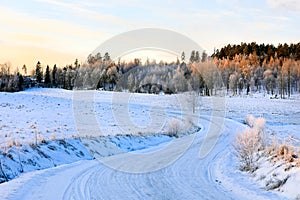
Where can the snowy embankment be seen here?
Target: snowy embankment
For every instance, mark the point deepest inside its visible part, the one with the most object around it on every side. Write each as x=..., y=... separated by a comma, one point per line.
x=28, y=158
x=277, y=165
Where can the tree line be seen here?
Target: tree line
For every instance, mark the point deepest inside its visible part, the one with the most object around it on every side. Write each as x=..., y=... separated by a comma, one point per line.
x=260, y=68
x=10, y=82
x=59, y=77
x=234, y=69
x=263, y=51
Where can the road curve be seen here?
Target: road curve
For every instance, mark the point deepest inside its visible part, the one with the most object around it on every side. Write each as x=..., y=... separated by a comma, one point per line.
x=189, y=177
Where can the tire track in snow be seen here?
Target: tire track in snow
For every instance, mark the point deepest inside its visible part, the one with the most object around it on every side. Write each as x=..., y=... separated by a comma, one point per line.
x=187, y=178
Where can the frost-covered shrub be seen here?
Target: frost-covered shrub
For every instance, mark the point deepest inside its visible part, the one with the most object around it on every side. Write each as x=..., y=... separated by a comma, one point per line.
x=259, y=123
x=250, y=120
x=246, y=145
x=9, y=142
x=260, y=133
x=52, y=137
x=283, y=151
x=298, y=159
x=41, y=138
x=286, y=152
x=249, y=142
x=273, y=147
x=174, y=127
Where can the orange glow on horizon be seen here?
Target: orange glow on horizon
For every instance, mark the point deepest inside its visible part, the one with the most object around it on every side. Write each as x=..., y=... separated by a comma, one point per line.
x=19, y=55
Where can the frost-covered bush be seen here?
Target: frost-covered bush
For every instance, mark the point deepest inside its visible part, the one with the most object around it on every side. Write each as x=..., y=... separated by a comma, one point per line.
x=246, y=146
x=249, y=142
x=285, y=151
x=298, y=159
x=52, y=137
x=41, y=138
x=259, y=124
x=174, y=127
x=9, y=142
x=259, y=129
x=253, y=143
x=273, y=146
x=250, y=120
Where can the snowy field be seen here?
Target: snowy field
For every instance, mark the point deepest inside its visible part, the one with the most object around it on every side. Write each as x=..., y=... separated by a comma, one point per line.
x=35, y=115
x=49, y=114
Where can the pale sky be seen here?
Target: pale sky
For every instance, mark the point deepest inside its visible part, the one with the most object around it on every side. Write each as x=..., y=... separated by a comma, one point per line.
x=53, y=31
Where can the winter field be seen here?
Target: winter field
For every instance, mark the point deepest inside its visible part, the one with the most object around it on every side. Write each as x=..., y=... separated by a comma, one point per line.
x=146, y=146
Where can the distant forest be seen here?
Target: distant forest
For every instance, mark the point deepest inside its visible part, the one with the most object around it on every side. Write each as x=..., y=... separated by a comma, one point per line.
x=241, y=69
x=264, y=68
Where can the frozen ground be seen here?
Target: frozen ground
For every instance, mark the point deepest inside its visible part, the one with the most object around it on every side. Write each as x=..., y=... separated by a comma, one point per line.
x=50, y=113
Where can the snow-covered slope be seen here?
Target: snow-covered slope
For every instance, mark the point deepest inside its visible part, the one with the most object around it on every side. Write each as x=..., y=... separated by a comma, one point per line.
x=41, y=113
x=48, y=114
x=28, y=158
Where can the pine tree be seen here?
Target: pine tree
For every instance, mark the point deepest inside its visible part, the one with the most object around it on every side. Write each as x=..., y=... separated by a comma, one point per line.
x=76, y=64
x=24, y=68
x=38, y=72
x=183, y=57
x=54, y=82
x=98, y=57
x=47, y=76
x=106, y=57
x=192, y=58
x=204, y=56
x=91, y=59
x=20, y=82
x=64, y=79
x=69, y=78
x=197, y=56
x=177, y=61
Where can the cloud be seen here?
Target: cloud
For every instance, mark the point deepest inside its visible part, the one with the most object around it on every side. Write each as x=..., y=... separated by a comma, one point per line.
x=285, y=5
x=83, y=9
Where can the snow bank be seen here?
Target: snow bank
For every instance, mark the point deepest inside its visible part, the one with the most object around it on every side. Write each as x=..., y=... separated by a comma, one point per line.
x=28, y=158
x=275, y=163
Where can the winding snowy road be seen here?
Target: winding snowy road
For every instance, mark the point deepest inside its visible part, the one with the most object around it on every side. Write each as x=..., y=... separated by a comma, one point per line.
x=213, y=177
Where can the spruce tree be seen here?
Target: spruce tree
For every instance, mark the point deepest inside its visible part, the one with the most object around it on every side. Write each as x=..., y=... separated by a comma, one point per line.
x=54, y=75
x=183, y=57
x=47, y=76
x=192, y=58
x=197, y=56
x=38, y=72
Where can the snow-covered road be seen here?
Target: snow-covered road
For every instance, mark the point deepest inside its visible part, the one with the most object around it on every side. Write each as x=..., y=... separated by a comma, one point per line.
x=188, y=177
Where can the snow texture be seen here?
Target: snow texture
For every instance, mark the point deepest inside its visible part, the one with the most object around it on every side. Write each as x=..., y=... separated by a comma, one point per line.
x=49, y=113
